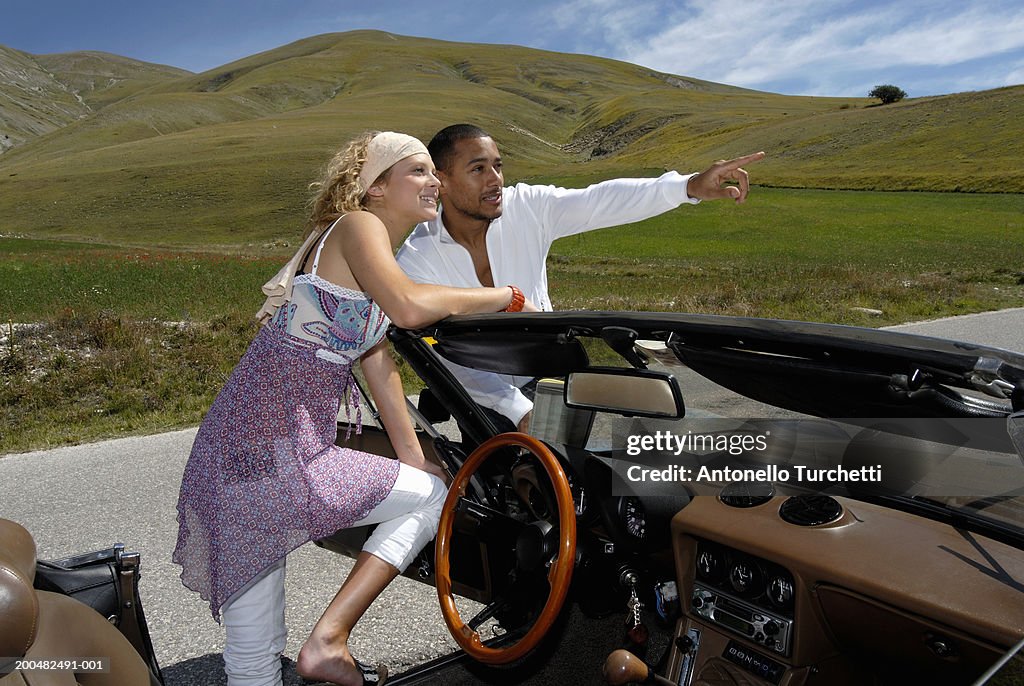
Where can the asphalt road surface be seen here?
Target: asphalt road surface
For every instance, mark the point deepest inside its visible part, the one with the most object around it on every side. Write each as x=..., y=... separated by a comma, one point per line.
x=87, y=497
x=1002, y=329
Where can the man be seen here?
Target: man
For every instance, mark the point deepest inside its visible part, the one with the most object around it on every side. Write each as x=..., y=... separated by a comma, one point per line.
x=486, y=234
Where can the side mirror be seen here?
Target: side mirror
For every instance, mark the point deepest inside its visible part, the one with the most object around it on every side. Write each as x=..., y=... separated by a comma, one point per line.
x=630, y=392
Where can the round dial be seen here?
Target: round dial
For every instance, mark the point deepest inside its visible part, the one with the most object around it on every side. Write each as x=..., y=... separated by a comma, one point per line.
x=745, y=578
x=709, y=565
x=633, y=517
x=780, y=592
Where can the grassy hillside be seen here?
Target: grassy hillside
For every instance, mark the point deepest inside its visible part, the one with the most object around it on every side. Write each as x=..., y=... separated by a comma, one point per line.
x=100, y=78
x=222, y=159
x=961, y=142
x=40, y=94
x=32, y=103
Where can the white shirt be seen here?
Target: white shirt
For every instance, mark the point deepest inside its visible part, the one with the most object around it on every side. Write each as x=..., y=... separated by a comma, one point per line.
x=518, y=242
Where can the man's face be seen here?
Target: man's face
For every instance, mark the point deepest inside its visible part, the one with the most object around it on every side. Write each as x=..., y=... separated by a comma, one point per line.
x=471, y=186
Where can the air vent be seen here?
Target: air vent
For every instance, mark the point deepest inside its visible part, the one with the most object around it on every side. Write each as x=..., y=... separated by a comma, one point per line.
x=747, y=494
x=810, y=510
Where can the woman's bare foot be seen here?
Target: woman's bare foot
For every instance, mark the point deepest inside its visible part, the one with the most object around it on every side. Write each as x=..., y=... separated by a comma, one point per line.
x=325, y=655
x=322, y=661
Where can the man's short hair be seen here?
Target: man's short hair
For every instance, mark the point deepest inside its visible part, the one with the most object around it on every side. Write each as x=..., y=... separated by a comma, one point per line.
x=442, y=145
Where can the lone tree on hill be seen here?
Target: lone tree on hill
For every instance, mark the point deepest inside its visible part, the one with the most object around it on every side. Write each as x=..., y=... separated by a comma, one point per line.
x=887, y=93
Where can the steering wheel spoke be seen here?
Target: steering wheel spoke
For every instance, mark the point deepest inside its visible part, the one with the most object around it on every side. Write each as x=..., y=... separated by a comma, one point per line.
x=544, y=552
x=488, y=612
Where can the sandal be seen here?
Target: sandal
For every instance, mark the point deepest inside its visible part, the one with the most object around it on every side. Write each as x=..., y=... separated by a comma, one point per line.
x=372, y=676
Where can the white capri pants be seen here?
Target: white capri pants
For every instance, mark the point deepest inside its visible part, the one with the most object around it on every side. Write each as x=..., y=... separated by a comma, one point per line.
x=253, y=618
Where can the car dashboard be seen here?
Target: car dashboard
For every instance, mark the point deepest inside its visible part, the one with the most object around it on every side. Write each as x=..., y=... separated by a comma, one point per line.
x=841, y=583
x=870, y=595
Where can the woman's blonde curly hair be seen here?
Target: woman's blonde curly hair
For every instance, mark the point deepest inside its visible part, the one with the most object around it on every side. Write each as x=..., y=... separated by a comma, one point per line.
x=338, y=191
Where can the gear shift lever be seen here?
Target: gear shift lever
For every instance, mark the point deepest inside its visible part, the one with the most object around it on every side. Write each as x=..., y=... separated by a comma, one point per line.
x=622, y=667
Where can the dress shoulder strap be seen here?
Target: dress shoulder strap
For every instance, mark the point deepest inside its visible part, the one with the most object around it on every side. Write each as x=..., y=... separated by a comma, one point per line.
x=320, y=245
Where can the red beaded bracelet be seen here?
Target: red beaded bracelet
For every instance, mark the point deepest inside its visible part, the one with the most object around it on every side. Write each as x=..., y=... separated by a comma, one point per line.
x=518, y=300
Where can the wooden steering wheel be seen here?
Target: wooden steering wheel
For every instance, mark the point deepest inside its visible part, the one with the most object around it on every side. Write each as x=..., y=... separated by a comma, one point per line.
x=559, y=573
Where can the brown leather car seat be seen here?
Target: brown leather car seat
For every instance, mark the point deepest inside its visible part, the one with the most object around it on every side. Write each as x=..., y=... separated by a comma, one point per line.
x=39, y=626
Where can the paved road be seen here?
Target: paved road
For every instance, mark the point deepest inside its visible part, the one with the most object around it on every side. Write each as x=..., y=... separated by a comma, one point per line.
x=1002, y=329
x=86, y=497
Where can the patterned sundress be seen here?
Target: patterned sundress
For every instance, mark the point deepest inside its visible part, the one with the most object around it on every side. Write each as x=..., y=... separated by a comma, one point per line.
x=264, y=475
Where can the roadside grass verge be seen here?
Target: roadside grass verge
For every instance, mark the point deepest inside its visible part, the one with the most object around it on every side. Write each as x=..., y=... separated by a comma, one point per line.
x=99, y=341
x=75, y=378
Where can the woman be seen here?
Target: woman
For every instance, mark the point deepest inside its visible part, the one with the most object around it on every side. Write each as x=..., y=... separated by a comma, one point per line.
x=264, y=475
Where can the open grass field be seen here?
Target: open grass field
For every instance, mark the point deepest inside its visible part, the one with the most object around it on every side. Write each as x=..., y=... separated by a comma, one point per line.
x=132, y=340
x=806, y=254
x=45, y=278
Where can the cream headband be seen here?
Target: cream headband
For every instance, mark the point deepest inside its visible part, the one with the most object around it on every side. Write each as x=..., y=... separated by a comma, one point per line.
x=383, y=151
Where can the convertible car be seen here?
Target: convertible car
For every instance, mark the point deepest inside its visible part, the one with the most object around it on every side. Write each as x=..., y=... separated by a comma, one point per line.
x=758, y=501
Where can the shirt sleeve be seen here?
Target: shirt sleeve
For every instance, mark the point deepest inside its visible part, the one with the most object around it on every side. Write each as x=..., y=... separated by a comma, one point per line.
x=415, y=264
x=568, y=211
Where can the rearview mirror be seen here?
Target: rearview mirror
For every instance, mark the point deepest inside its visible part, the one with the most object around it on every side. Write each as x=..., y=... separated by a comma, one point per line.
x=631, y=392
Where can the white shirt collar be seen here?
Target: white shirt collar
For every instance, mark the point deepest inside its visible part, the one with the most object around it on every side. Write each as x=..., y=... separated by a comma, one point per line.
x=442, y=230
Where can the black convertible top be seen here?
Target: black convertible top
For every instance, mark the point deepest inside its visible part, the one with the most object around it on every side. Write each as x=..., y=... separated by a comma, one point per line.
x=820, y=369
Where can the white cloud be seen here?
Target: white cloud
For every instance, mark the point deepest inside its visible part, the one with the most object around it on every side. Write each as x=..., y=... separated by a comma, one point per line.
x=1015, y=77
x=607, y=24
x=827, y=47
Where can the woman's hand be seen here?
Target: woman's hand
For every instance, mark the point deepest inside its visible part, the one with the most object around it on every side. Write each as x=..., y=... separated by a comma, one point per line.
x=528, y=306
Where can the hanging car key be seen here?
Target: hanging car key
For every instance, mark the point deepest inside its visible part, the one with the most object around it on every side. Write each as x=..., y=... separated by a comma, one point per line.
x=637, y=633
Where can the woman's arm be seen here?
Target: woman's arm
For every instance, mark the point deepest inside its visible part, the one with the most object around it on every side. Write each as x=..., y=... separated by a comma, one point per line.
x=386, y=389
x=367, y=250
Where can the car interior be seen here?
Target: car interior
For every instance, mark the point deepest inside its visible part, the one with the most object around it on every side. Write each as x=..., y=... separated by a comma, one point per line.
x=749, y=575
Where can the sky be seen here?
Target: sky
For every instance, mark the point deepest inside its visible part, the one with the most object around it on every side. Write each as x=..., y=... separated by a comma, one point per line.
x=794, y=47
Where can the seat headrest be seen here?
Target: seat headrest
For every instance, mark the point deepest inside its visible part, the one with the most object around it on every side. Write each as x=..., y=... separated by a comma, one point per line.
x=19, y=548
x=19, y=606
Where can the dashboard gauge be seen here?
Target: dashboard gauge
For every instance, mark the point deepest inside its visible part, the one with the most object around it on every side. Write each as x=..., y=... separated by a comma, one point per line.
x=745, y=578
x=709, y=564
x=780, y=592
x=633, y=517
x=579, y=497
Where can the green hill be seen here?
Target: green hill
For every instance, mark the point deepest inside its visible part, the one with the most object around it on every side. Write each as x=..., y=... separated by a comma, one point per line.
x=44, y=93
x=222, y=159
x=101, y=79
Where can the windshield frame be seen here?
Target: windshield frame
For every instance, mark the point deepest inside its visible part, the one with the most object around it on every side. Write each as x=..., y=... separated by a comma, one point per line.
x=981, y=381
